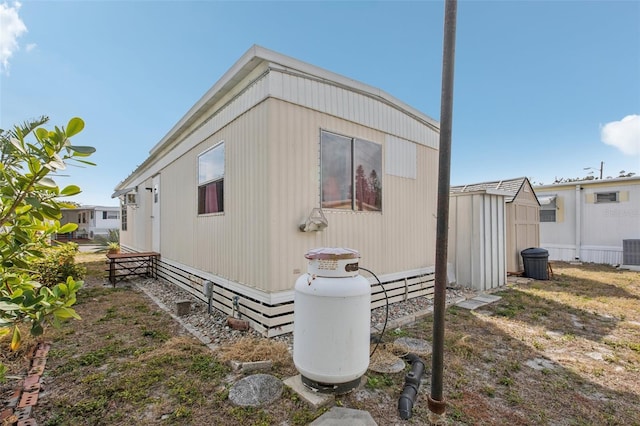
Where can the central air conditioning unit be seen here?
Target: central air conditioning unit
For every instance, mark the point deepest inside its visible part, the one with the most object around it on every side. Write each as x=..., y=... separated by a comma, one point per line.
x=631, y=254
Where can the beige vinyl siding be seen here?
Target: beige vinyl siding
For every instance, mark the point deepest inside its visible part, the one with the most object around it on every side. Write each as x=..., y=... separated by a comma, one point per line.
x=260, y=85
x=400, y=158
x=400, y=238
x=350, y=105
x=269, y=110
x=137, y=237
x=230, y=244
x=271, y=185
x=272, y=181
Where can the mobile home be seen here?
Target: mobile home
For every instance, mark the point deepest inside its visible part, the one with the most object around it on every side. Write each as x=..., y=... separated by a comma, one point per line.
x=277, y=158
x=91, y=220
x=590, y=220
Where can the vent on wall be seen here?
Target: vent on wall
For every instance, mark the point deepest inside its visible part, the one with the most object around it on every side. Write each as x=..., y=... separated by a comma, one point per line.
x=631, y=252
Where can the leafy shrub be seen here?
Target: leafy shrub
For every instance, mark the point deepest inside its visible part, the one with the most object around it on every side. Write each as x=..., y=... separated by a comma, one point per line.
x=57, y=264
x=108, y=243
x=30, y=213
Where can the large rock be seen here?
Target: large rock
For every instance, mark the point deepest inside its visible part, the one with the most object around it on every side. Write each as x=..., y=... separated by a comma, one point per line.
x=256, y=390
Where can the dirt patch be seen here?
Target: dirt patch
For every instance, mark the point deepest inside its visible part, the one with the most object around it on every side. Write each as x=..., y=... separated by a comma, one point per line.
x=565, y=351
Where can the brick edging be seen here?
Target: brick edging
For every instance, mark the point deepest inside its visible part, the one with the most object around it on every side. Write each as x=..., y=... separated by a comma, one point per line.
x=19, y=409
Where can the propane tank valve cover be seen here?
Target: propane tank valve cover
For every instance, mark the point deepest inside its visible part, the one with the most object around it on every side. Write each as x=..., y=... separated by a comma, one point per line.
x=333, y=262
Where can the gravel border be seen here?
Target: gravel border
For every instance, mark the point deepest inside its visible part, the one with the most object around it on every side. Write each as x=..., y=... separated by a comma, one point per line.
x=213, y=331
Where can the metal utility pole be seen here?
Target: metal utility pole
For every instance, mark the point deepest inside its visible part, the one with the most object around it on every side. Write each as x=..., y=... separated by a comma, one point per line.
x=436, y=402
x=601, y=167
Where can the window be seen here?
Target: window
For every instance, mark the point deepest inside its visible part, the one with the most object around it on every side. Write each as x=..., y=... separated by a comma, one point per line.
x=109, y=215
x=123, y=222
x=547, y=215
x=607, y=197
x=211, y=180
x=348, y=164
x=548, y=207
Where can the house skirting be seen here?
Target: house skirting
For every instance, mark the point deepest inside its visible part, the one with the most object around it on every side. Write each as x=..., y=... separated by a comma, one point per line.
x=271, y=314
x=610, y=255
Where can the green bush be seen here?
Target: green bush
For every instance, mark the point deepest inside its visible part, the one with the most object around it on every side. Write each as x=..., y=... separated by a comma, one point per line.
x=109, y=242
x=30, y=214
x=57, y=264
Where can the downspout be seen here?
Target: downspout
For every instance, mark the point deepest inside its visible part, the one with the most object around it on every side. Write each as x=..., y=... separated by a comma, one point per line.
x=578, y=241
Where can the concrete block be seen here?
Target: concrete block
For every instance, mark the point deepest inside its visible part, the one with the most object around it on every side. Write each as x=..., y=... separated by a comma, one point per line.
x=339, y=416
x=183, y=307
x=248, y=367
x=314, y=399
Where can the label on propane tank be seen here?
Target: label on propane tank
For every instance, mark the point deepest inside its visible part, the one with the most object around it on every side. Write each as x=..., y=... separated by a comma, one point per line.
x=327, y=264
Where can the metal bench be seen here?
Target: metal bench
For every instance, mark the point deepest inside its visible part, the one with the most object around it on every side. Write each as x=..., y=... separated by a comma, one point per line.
x=123, y=265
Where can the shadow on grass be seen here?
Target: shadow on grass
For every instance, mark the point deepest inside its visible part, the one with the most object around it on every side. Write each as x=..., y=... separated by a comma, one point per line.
x=492, y=377
x=577, y=279
x=555, y=316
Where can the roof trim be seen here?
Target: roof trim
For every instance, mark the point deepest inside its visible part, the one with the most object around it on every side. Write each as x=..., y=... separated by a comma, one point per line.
x=248, y=62
x=122, y=191
x=589, y=182
x=251, y=60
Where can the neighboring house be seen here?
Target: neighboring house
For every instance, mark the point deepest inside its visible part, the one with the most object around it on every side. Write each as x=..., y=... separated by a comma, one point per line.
x=275, y=148
x=91, y=220
x=490, y=223
x=589, y=220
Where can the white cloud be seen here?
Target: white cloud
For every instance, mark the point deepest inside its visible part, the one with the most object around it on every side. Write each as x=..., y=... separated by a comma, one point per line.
x=623, y=134
x=11, y=27
x=31, y=46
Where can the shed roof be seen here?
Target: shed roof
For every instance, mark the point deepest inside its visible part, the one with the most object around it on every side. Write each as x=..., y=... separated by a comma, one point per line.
x=510, y=186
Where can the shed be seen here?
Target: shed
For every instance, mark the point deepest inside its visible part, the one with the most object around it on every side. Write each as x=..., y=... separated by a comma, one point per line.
x=522, y=222
x=477, y=238
x=277, y=158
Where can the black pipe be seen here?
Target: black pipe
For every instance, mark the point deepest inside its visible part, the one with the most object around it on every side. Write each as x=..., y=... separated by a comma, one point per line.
x=435, y=401
x=411, y=386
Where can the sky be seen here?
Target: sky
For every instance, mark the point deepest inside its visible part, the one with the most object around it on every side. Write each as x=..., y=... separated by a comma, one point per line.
x=542, y=89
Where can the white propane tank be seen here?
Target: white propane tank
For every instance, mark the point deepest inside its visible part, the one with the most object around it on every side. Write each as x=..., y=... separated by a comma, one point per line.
x=332, y=321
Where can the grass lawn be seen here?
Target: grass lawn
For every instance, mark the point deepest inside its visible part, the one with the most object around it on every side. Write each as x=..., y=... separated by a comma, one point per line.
x=558, y=352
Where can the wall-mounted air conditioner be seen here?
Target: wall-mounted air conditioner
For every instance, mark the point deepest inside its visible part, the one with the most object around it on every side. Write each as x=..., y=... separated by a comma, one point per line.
x=130, y=198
